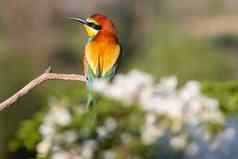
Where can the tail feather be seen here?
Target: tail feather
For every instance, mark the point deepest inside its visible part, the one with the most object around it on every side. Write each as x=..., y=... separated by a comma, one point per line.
x=90, y=100
x=90, y=80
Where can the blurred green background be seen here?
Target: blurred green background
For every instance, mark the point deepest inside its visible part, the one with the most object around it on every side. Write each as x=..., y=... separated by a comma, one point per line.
x=190, y=39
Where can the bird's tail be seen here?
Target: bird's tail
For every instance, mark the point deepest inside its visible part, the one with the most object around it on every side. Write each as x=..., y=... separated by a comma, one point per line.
x=90, y=79
x=90, y=100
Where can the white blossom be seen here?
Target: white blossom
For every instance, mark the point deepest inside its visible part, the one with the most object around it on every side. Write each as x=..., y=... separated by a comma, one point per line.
x=150, y=131
x=108, y=127
x=60, y=115
x=47, y=129
x=178, y=142
x=44, y=146
x=110, y=124
x=61, y=155
x=125, y=88
x=70, y=136
x=190, y=90
x=87, y=149
x=167, y=85
x=102, y=132
x=109, y=155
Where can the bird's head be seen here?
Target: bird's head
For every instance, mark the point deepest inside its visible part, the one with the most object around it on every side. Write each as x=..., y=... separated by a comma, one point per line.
x=96, y=23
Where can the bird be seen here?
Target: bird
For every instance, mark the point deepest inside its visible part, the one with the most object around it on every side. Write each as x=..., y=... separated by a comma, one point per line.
x=102, y=51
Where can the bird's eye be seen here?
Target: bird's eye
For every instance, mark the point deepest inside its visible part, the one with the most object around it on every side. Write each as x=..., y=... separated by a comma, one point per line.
x=94, y=26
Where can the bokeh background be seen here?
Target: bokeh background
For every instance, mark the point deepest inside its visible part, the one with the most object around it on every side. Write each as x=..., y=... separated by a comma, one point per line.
x=194, y=40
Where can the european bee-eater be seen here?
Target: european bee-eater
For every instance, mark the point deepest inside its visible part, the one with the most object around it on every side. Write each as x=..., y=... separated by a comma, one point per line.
x=101, y=52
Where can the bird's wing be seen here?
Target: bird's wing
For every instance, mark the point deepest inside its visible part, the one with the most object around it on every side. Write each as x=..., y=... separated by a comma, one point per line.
x=91, y=56
x=109, y=59
x=113, y=70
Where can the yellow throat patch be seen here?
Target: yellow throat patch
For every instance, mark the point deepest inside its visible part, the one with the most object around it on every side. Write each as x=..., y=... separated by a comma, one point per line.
x=90, y=31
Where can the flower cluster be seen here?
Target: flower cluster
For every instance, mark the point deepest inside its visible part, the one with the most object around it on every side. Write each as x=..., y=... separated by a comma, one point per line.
x=187, y=104
x=145, y=119
x=60, y=145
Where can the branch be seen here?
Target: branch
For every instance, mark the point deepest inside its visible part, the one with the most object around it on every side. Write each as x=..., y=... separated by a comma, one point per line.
x=47, y=75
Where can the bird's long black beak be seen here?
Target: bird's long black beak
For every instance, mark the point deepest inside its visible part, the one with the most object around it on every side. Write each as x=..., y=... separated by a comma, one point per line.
x=85, y=22
x=78, y=20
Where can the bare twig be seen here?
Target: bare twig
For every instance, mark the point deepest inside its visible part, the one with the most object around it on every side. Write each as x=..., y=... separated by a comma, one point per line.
x=37, y=81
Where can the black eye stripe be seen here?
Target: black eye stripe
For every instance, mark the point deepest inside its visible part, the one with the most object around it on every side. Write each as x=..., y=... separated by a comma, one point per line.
x=94, y=26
